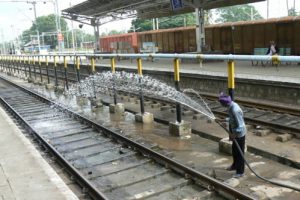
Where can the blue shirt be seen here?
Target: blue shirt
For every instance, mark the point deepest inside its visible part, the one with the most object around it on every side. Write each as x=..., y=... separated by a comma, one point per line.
x=236, y=120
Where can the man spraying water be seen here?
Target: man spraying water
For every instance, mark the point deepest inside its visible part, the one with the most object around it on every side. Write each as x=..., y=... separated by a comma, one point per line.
x=237, y=131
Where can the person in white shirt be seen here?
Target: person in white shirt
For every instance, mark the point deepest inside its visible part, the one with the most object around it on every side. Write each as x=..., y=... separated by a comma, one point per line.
x=273, y=49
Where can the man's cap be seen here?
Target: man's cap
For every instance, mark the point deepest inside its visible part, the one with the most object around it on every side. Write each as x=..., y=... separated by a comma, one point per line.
x=225, y=99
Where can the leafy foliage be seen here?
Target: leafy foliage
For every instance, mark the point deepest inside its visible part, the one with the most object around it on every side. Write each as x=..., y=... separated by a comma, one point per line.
x=48, y=34
x=165, y=22
x=237, y=13
x=292, y=12
x=113, y=32
x=47, y=25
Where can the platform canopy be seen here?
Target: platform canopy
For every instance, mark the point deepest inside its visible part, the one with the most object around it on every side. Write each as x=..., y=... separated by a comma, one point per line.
x=98, y=12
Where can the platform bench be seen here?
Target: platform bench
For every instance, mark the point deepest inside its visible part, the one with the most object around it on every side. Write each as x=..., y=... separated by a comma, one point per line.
x=260, y=52
x=263, y=51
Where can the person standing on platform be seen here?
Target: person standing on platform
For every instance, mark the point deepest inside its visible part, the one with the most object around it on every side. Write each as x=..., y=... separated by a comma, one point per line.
x=273, y=49
x=237, y=131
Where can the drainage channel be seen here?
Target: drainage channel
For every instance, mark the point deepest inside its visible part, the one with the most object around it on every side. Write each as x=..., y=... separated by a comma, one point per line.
x=105, y=163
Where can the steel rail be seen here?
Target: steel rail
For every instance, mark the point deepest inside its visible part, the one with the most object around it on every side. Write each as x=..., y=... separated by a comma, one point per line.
x=210, y=183
x=91, y=190
x=265, y=106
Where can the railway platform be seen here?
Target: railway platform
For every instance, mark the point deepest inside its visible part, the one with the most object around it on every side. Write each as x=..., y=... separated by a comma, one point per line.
x=24, y=174
x=284, y=72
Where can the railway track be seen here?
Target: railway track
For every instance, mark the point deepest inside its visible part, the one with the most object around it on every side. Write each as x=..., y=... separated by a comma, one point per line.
x=278, y=118
x=106, y=164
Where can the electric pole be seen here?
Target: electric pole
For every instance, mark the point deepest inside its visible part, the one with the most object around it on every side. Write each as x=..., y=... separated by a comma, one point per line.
x=267, y=9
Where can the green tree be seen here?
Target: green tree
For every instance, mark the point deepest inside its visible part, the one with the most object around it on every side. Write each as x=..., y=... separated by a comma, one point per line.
x=44, y=24
x=165, y=22
x=292, y=12
x=141, y=25
x=113, y=32
x=237, y=13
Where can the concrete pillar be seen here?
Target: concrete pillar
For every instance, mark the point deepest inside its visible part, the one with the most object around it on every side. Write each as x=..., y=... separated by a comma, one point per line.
x=180, y=129
x=118, y=108
x=200, y=34
x=97, y=35
x=145, y=118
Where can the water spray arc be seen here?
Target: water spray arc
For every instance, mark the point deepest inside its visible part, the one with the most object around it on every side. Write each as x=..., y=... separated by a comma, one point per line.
x=130, y=83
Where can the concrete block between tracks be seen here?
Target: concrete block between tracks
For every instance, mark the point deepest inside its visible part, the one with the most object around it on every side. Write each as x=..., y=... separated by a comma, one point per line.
x=30, y=80
x=284, y=137
x=81, y=100
x=225, y=146
x=262, y=133
x=163, y=108
x=232, y=182
x=132, y=99
x=97, y=103
x=37, y=82
x=180, y=129
x=155, y=105
x=9, y=73
x=118, y=108
x=59, y=89
x=147, y=103
x=125, y=98
x=137, y=101
x=199, y=117
x=187, y=113
x=50, y=86
x=145, y=118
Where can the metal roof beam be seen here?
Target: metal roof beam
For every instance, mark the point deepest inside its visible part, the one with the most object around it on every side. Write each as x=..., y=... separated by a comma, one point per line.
x=144, y=8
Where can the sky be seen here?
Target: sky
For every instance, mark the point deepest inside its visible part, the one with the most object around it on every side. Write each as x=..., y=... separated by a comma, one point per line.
x=16, y=17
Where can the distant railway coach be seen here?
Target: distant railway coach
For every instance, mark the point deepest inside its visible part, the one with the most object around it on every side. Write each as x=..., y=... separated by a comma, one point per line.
x=237, y=37
x=243, y=37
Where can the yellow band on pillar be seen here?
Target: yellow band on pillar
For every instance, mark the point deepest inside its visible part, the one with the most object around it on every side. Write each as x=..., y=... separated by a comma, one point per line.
x=176, y=70
x=77, y=63
x=113, y=65
x=46, y=60
x=140, y=67
x=65, y=62
x=231, y=83
x=275, y=60
x=93, y=64
x=55, y=64
x=28, y=60
x=39, y=60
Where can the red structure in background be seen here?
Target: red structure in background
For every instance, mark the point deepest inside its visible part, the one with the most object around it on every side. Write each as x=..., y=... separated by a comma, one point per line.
x=122, y=43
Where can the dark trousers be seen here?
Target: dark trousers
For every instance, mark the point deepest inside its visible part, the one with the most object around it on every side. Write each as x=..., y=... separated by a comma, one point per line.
x=238, y=161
